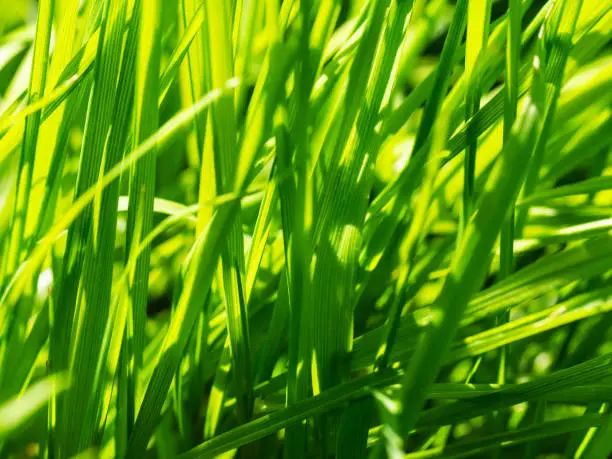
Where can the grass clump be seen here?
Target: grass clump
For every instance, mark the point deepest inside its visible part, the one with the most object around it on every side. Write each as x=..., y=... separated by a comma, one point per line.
x=263, y=228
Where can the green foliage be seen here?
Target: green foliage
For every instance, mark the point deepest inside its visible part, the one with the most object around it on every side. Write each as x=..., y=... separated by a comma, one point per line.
x=263, y=228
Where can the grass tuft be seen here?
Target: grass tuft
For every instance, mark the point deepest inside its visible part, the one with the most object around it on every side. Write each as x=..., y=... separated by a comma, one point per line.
x=263, y=228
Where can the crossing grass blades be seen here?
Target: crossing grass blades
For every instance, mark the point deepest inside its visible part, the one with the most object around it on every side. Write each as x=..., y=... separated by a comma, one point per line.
x=305, y=228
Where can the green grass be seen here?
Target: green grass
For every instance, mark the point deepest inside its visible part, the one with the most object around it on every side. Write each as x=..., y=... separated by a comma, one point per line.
x=263, y=228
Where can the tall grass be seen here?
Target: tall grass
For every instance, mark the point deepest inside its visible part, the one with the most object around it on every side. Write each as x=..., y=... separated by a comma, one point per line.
x=262, y=228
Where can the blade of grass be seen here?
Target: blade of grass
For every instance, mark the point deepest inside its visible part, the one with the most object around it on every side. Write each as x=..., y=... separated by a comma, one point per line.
x=206, y=249
x=510, y=439
x=53, y=129
x=467, y=271
x=93, y=301
x=298, y=214
x=594, y=370
x=98, y=122
x=511, y=87
x=588, y=186
x=141, y=194
x=32, y=126
x=476, y=40
x=232, y=257
x=336, y=236
x=155, y=142
x=560, y=40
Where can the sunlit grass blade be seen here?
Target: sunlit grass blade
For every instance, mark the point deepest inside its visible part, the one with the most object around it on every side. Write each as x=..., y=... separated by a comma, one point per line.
x=141, y=196
x=201, y=276
x=513, y=50
x=156, y=142
x=195, y=288
x=297, y=207
x=240, y=227
x=98, y=240
x=557, y=37
x=467, y=273
x=32, y=127
x=53, y=134
x=585, y=187
x=476, y=40
x=220, y=52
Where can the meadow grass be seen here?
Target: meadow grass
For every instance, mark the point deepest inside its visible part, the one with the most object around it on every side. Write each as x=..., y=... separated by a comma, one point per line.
x=305, y=228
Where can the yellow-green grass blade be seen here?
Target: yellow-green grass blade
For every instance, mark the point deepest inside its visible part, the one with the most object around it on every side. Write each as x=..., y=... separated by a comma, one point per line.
x=78, y=68
x=342, y=208
x=95, y=133
x=598, y=444
x=272, y=422
x=52, y=129
x=322, y=31
x=353, y=436
x=261, y=232
x=209, y=245
x=30, y=137
x=594, y=370
x=297, y=208
x=588, y=186
x=193, y=82
x=408, y=247
x=589, y=259
x=14, y=289
x=557, y=37
x=579, y=395
x=217, y=396
x=256, y=252
x=196, y=285
x=268, y=356
x=578, y=308
x=584, y=144
x=50, y=98
x=411, y=175
x=296, y=278
x=258, y=122
x=220, y=53
x=93, y=299
x=80, y=65
x=55, y=172
x=581, y=51
x=141, y=195
x=490, y=112
x=511, y=88
x=160, y=206
x=248, y=15
x=157, y=141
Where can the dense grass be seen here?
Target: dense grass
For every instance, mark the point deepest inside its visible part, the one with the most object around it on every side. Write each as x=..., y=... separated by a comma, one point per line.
x=305, y=228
